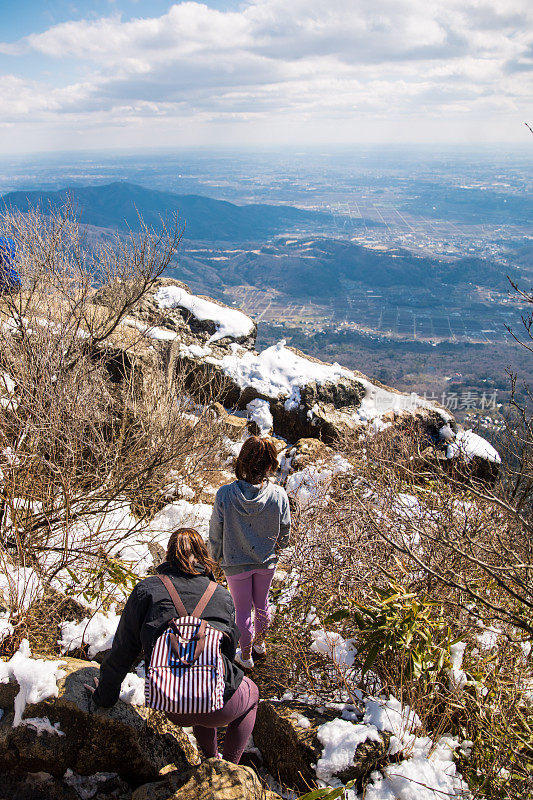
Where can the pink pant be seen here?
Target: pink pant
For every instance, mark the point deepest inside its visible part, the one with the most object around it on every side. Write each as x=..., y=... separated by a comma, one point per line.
x=250, y=590
x=239, y=716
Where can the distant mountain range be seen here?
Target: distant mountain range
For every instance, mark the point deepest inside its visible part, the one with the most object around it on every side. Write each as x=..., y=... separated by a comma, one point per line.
x=324, y=267
x=120, y=205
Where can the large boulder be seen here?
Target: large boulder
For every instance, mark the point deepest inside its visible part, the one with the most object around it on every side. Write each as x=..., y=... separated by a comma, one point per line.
x=204, y=339
x=213, y=780
x=133, y=741
x=233, y=426
x=169, y=311
x=307, y=452
x=290, y=749
x=308, y=398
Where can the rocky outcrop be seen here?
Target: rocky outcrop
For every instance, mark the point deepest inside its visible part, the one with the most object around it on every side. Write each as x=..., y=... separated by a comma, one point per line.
x=307, y=452
x=233, y=426
x=290, y=750
x=325, y=409
x=177, y=322
x=213, y=780
x=133, y=741
x=307, y=397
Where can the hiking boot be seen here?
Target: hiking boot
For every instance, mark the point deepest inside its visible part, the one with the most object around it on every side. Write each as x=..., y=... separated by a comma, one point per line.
x=259, y=650
x=245, y=663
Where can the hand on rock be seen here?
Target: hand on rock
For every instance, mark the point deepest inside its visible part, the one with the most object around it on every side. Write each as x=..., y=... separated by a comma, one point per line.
x=90, y=688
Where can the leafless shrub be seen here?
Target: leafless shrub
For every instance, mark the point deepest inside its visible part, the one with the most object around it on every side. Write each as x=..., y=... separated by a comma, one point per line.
x=82, y=447
x=516, y=439
x=459, y=561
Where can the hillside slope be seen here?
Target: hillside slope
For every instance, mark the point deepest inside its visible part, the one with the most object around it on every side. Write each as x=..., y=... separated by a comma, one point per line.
x=119, y=205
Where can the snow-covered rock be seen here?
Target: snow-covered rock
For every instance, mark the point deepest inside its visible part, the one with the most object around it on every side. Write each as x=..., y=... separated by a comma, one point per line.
x=229, y=322
x=96, y=632
x=291, y=750
x=130, y=740
x=309, y=398
x=259, y=414
x=19, y=586
x=470, y=445
x=470, y=454
x=305, y=397
x=171, y=314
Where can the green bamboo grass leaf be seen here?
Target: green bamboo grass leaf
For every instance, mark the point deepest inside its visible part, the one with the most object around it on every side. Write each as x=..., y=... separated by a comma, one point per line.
x=323, y=794
x=373, y=653
x=73, y=575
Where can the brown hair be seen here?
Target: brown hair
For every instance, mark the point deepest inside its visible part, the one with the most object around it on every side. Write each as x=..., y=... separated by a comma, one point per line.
x=186, y=550
x=257, y=457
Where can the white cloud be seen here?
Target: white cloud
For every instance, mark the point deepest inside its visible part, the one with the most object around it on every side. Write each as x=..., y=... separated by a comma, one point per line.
x=278, y=60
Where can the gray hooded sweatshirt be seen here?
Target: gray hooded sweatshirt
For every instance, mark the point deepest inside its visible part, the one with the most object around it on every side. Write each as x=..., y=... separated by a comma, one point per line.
x=248, y=525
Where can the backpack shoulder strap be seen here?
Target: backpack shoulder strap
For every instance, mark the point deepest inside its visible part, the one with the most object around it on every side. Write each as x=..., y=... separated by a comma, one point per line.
x=204, y=599
x=174, y=596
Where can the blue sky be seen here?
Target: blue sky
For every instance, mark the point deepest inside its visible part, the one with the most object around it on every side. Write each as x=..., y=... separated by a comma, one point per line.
x=132, y=73
x=34, y=16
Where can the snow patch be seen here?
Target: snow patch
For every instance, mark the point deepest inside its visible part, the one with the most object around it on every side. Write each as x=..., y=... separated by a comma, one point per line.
x=230, y=322
x=259, y=412
x=151, y=331
x=181, y=514
x=488, y=639
x=37, y=678
x=7, y=392
x=469, y=445
x=311, y=484
x=19, y=586
x=389, y=715
x=132, y=690
x=301, y=721
x=329, y=643
x=97, y=631
x=43, y=725
x=340, y=740
x=194, y=351
x=6, y=628
x=457, y=676
x=426, y=776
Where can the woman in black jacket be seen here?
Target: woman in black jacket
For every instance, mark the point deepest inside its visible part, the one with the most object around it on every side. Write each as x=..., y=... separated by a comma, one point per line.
x=146, y=614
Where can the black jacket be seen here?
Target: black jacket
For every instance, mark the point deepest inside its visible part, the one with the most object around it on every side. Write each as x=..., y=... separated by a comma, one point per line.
x=146, y=614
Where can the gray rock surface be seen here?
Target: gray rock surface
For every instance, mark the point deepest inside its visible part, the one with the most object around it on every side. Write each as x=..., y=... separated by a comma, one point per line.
x=34, y=786
x=133, y=741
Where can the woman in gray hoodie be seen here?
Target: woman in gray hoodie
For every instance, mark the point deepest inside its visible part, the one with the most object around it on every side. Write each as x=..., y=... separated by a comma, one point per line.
x=250, y=523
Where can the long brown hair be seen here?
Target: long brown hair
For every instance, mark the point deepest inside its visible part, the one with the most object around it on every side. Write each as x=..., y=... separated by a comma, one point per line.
x=186, y=551
x=257, y=458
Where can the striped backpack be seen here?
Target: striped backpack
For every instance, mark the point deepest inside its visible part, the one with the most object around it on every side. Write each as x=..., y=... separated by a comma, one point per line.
x=186, y=672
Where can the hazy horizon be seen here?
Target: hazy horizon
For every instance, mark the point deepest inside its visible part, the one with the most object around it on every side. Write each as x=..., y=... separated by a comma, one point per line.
x=325, y=148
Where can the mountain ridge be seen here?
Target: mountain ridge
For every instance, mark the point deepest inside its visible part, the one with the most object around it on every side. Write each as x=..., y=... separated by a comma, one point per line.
x=122, y=204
